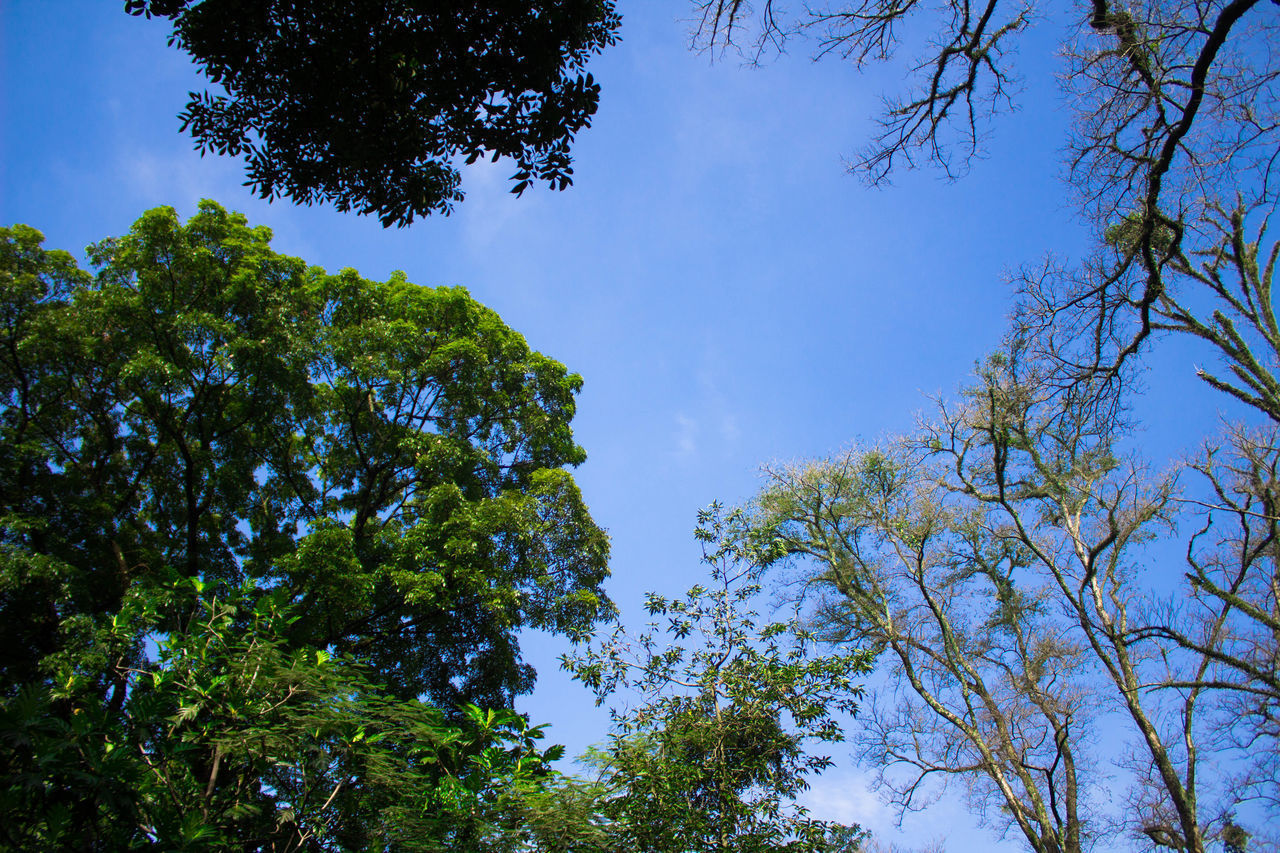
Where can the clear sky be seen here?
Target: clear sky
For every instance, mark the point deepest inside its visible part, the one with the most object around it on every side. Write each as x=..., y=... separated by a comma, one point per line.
x=729, y=294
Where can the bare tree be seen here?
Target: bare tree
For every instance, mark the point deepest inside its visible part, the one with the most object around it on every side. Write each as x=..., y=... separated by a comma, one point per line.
x=997, y=558
x=1177, y=106
x=962, y=81
x=1172, y=158
x=1229, y=616
x=983, y=688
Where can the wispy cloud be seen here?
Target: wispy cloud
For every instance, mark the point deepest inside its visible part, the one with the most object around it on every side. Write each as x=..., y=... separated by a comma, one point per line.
x=708, y=422
x=490, y=209
x=178, y=177
x=847, y=798
x=729, y=430
x=686, y=435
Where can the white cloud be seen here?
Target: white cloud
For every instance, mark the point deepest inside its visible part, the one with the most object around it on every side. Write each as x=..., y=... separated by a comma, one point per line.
x=729, y=430
x=708, y=424
x=686, y=436
x=180, y=178
x=847, y=798
x=489, y=206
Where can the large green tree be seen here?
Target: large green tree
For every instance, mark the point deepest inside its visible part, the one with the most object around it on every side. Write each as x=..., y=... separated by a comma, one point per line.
x=231, y=738
x=372, y=106
x=386, y=463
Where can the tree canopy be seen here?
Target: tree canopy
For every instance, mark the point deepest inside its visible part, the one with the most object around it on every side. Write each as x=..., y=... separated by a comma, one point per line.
x=1026, y=579
x=1017, y=568
x=715, y=753
x=269, y=535
x=232, y=485
x=372, y=106
x=1172, y=147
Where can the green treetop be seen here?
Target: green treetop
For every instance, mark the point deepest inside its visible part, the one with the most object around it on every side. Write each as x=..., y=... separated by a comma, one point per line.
x=211, y=453
x=372, y=106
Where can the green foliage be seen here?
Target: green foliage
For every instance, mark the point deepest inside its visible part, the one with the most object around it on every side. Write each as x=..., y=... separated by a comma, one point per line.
x=714, y=755
x=1126, y=234
x=564, y=815
x=1234, y=838
x=371, y=106
x=230, y=487
x=230, y=739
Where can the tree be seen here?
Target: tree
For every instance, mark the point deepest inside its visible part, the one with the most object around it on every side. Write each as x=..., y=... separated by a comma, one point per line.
x=207, y=428
x=996, y=552
x=715, y=755
x=1171, y=156
x=980, y=675
x=996, y=557
x=372, y=106
x=230, y=740
x=1231, y=617
x=1173, y=146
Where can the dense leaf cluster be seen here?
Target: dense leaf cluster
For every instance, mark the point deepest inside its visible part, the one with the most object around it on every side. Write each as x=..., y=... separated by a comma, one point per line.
x=371, y=106
x=231, y=486
x=230, y=739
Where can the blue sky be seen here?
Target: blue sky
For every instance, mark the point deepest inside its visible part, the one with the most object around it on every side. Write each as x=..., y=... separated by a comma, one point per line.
x=729, y=294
